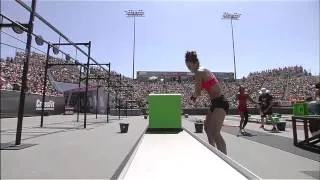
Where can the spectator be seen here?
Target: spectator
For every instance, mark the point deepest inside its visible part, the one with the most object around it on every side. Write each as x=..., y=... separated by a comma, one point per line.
x=266, y=103
x=286, y=84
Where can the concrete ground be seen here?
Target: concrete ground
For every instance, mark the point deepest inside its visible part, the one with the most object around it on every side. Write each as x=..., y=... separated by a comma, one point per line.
x=63, y=149
x=268, y=155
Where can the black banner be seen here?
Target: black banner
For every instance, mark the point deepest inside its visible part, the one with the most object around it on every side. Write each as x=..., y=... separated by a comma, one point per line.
x=10, y=104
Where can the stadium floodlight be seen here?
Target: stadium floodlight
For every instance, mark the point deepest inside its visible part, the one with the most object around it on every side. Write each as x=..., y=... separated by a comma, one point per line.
x=234, y=16
x=134, y=14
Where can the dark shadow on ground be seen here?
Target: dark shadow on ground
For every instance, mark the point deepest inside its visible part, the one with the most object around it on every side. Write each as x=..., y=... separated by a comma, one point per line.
x=163, y=131
x=55, y=129
x=92, y=121
x=313, y=174
x=12, y=146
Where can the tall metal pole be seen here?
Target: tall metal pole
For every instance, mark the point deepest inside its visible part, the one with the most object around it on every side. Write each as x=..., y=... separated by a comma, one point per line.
x=79, y=97
x=25, y=73
x=319, y=72
x=44, y=85
x=134, y=44
x=97, y=99
x=126, y=108
x=119, y=110
x=234, y=56
x=87, y=83
x=234, y=16
x=119, y=98
x=117, y=102
x=134, y=14
x=108, y=97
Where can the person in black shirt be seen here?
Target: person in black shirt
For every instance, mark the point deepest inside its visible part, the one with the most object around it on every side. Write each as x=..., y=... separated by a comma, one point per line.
x=314, y=109
x=266, y=102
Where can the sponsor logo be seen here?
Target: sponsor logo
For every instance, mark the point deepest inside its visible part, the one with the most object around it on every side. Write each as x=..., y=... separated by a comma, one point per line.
x=47, y=105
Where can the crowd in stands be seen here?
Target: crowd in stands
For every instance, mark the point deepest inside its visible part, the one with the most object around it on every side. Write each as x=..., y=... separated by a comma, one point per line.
x=285, y=84
x=11, y=73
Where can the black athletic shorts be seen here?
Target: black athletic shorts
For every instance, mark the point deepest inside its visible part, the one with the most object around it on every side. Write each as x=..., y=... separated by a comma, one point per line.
x=219, y=102
x=269, y=112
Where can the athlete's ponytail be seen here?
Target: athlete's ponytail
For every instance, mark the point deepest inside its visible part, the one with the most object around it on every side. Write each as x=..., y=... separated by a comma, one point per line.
x=191, y=56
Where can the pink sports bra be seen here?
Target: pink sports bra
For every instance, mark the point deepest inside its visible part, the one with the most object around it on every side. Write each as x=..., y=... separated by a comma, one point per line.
x=207, y=84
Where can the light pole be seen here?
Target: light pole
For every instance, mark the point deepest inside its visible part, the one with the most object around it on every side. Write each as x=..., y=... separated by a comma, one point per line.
x=234, y=16
x=134, y=14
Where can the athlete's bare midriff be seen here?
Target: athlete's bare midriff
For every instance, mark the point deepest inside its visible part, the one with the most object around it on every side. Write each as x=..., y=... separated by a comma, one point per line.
x=214, y=90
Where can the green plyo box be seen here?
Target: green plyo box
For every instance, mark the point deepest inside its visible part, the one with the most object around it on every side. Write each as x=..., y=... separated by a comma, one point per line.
x=164, y=111
x=300, y=109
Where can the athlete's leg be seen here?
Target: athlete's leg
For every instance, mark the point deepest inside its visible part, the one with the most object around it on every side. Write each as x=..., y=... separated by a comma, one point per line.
x=246, y=118
x=217, y=119
x=207, y=127
x=242, y=119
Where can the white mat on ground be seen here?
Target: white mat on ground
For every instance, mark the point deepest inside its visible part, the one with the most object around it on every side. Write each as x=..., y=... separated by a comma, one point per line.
x=177, y=156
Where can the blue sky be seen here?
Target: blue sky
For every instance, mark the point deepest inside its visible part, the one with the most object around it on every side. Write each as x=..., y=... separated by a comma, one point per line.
x=269, y=34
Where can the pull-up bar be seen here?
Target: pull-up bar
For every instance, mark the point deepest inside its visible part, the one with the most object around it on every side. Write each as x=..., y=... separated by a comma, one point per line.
x=47, y=65
x=45, y=78
x=87, y=78
x=65, y=44
x=54, y=29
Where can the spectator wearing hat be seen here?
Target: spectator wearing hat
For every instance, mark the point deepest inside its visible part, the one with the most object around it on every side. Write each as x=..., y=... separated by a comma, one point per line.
x=266, y=102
